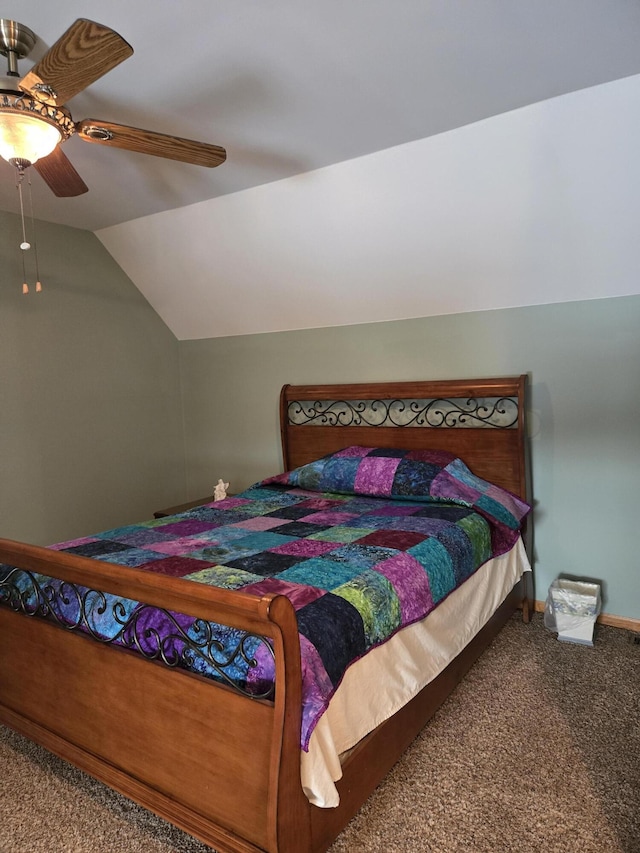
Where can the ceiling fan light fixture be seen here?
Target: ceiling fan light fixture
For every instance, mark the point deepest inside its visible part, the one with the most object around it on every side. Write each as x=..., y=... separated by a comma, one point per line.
x=26, y=137
x=30, y=130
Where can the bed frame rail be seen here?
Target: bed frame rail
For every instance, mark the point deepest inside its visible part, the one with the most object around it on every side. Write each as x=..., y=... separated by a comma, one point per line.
x=107, y=724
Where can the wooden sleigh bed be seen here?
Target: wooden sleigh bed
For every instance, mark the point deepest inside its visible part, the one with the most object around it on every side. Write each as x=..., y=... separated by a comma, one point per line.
x=178, y=743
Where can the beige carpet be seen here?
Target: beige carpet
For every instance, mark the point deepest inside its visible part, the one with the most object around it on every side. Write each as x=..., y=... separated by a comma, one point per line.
x=538, y=750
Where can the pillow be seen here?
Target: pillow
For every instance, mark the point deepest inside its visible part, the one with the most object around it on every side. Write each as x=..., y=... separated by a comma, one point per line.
x=417, y=475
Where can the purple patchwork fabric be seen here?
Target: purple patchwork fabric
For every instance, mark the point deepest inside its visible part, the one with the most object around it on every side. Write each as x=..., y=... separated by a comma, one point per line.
x=417, y=475
x=375, y=476
x=362, y=543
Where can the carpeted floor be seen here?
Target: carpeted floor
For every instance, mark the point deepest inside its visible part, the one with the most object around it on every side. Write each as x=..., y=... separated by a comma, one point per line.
x=537, y=750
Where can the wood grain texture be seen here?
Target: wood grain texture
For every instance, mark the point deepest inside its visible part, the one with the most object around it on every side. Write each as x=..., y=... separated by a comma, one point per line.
x=116, y=704
x=83, y=54
x=155, y=144
x=214, y=762
x=60, y=175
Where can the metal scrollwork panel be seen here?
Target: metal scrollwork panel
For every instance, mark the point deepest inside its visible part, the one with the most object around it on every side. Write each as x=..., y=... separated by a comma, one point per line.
x=490, y=412
x=224, y=653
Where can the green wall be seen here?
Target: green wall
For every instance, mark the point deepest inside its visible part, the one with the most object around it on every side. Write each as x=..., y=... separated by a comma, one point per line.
x=90, y=423
x=583, y=360
x=91, y=415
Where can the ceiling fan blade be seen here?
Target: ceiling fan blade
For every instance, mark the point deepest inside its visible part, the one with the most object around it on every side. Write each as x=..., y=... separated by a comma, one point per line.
x=80, y=56
x=57, y=171
x=149, y=142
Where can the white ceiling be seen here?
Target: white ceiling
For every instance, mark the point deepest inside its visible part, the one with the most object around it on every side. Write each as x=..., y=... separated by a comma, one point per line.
x=289, y=86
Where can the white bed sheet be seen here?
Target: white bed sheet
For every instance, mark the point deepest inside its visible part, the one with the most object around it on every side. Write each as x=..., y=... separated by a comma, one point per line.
x=405, y=664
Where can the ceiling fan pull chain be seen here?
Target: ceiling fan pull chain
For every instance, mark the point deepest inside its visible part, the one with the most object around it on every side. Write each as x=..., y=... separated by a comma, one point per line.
x=35, y=241
x=24, y=245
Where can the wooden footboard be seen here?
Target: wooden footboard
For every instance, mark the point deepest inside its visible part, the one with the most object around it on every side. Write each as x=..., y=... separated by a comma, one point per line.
x=223, y=766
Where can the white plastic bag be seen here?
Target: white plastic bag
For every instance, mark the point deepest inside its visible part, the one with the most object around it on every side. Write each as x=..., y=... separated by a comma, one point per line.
x=549, y=613
x=571, y=610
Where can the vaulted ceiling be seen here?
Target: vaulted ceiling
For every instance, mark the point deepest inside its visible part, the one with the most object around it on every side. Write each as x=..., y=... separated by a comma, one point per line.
x=288, y=86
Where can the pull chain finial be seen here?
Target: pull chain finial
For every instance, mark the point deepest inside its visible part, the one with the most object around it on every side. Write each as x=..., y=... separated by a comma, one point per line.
x=21, y=166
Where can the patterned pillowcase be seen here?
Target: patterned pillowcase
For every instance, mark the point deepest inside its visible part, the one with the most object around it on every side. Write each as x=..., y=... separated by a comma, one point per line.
x=417, y=475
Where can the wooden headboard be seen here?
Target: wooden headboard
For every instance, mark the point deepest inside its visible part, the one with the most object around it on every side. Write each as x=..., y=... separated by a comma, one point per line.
x=480, y=420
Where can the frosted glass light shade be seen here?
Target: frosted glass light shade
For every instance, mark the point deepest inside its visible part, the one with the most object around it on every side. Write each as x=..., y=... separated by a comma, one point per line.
x=26, y=137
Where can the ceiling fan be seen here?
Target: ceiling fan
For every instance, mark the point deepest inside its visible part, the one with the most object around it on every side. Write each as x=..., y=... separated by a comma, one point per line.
x=34, y=119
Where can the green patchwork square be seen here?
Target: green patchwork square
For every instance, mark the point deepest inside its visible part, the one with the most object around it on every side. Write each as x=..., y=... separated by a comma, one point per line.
x=225, y=577
x=342, y=534
x=375, y=599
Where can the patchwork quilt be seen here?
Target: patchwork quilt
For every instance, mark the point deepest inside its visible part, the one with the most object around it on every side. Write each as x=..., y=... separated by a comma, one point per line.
x=363, y=542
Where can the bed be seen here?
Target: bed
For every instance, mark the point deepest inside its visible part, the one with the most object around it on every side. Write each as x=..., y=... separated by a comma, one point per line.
x=224, y=762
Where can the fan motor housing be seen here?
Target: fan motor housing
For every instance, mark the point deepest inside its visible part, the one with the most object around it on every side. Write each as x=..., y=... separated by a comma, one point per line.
x=16, y=38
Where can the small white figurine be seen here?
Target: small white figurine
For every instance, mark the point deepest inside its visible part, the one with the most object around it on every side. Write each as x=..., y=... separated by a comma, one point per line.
x=220, y=491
